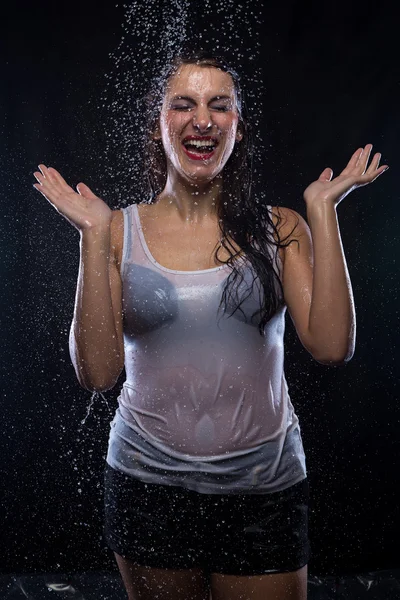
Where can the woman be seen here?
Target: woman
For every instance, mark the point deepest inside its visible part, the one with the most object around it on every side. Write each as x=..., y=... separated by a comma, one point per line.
x=205, y=485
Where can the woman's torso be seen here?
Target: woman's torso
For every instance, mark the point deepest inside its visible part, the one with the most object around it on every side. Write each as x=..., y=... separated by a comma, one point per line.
x=206, y=397
x=200, y=379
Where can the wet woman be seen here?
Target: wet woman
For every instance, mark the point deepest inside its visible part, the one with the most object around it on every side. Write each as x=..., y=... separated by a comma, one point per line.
x=206, y=491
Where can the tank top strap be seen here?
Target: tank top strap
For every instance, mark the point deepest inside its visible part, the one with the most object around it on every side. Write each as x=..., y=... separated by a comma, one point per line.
x=132, y=249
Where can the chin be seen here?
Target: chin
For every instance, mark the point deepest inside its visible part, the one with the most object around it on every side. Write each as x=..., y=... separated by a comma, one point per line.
x=199, y=178
x=203, y=173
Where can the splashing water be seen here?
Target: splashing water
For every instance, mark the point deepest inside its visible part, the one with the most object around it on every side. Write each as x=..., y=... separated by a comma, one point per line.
x=92, y=399
x=153, y=33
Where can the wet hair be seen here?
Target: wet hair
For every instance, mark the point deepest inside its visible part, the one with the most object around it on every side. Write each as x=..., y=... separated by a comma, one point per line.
x=243, y=218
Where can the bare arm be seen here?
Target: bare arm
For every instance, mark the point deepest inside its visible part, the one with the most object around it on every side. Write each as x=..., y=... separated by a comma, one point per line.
x=96, y=340
x=317, y=285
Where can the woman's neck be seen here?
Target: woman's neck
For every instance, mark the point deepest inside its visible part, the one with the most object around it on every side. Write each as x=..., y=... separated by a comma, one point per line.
x=191, y=203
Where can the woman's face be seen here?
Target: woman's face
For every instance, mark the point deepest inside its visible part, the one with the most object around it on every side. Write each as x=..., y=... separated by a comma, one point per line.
x=199, y=122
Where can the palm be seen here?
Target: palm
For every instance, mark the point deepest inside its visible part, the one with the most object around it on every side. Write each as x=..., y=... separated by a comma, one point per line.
x=356, y=174
x=84, y=210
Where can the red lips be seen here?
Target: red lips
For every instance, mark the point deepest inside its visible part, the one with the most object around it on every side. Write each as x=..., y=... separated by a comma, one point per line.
x=198, y=156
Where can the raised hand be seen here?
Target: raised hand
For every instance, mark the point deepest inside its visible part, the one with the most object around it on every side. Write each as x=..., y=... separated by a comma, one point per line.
x=84, y=210
x=356, y=174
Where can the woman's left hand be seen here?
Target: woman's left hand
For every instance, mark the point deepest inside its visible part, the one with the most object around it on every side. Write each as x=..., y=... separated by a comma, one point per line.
x=356, y=174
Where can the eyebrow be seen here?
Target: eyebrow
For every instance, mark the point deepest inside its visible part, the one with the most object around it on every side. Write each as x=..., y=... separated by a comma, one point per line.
x=191, y=99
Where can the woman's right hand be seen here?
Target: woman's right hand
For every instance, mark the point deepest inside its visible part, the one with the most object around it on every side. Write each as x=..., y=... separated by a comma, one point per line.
x=83, y=210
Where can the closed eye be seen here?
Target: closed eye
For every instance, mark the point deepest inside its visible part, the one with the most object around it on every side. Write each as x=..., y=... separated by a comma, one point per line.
x=182, y=107
x=217, y=108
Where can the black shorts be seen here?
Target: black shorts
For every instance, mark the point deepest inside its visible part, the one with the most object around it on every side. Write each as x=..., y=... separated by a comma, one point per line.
x=171, y=527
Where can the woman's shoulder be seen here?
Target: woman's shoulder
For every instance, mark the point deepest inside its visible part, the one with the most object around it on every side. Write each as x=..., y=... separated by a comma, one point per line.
x=290, y=225
x=288, y=221
x=283, y=213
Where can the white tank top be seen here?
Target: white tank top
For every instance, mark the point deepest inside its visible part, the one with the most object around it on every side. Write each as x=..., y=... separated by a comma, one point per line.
x=205, y=404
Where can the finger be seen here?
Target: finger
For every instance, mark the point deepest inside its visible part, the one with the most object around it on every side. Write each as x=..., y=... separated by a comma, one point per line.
x=364, y=157
x=326, y=174
x=42, y=168
x=45, y=172
x=354, y=159
x=49, y=189
x=51, y=177
x=57, y=180
x=38, y=176
x=353, y=163
x=85, y=190
x=58, y=177
x=41, y=189
x=44, y=182
x=45, y=192
x=374, y=163
x=376, y=174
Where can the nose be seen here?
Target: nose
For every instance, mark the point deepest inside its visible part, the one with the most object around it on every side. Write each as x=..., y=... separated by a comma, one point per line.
x=202, y=119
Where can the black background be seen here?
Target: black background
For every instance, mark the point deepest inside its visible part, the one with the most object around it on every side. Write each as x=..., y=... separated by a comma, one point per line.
x=330, y=84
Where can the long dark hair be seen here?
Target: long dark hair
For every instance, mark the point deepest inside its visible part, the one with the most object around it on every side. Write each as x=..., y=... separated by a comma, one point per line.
x=243, y=218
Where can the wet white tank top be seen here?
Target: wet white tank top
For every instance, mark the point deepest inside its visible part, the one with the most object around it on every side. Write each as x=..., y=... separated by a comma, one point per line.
x=205, y=404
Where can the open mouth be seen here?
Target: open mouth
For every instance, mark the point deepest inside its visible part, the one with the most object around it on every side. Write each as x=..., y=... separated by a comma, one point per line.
x=199, y=148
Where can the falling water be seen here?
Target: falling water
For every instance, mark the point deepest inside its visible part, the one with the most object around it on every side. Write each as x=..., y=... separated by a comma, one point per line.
x=89, y=408
x=152, y=34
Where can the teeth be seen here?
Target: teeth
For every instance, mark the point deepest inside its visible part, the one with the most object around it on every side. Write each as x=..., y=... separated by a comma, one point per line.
x=199, y=143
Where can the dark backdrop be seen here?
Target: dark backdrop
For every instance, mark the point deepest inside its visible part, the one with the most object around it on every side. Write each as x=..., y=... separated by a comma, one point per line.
x=330, y=83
